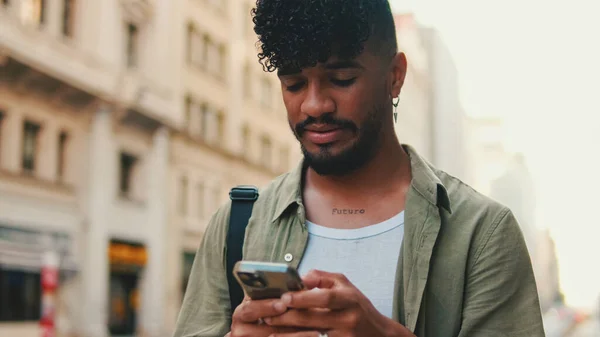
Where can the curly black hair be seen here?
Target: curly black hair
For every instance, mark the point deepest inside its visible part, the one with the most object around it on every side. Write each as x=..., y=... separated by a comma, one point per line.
x=295, y=34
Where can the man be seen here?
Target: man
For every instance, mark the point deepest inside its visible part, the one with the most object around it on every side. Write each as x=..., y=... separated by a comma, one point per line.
x=389, y=245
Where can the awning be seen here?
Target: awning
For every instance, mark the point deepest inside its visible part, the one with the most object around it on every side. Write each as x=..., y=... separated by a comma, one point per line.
x=19, y=258
x=24, y=250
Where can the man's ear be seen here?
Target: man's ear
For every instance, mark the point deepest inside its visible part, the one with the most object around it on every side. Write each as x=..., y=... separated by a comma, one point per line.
x=399, y=67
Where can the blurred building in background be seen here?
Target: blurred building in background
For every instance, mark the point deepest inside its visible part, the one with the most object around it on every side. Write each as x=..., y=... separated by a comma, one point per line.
x=514, y=188
x=450, y=151
x=505, y=176
x=430, y=114
x=547, y=272
x=414, y=125
x=123, y=124
x=235, y=129
x=486, y=140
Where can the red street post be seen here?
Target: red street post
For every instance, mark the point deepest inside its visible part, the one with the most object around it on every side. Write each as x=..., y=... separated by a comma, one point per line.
x=49, y=280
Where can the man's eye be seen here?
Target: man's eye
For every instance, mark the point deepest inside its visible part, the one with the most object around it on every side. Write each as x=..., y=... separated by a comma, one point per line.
x=343, y=83
x=294, y=87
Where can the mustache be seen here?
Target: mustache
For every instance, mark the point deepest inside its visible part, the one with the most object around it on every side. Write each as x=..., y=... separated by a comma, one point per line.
x=300, y=128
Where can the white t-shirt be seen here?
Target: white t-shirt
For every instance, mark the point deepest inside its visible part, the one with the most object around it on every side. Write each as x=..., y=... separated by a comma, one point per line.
x=367, y=256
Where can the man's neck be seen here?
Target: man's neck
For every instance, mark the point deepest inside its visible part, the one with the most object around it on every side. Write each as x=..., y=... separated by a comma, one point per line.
x=386, y=171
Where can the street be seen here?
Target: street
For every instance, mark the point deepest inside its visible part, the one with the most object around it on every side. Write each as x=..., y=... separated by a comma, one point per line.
x=589, y=328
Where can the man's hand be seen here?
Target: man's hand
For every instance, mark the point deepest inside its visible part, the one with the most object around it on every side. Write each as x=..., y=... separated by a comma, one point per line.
x=337, y=308
x=246, y=319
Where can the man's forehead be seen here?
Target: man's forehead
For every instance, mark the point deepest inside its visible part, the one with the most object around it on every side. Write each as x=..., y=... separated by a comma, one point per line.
x=333, y=63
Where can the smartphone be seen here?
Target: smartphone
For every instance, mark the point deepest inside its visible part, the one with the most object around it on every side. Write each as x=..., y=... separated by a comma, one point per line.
x=265, y=280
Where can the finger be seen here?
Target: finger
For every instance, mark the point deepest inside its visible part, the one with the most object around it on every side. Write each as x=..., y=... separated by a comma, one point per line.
x=341, y=298
x=251, y=311
x=319, y=319
x=322, y=279
x=253, y=330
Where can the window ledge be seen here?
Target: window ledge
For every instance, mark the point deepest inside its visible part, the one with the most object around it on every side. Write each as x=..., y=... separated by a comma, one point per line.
x=29, y=179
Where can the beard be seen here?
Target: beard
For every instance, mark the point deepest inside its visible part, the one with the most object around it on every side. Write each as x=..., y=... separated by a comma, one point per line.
x=326, y=163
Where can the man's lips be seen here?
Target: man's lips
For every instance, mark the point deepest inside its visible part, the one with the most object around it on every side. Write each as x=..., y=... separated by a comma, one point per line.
x=321, y=128
x=323, y=135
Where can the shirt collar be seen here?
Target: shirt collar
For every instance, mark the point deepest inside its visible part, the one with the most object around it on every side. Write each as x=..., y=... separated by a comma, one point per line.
x=424, y=181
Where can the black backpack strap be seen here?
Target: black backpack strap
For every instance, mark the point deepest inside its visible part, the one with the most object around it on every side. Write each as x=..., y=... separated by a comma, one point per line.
x=242, y=201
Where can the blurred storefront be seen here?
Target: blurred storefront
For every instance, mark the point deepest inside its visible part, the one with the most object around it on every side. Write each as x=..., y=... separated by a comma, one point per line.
x=23, y=261
x=127, y=261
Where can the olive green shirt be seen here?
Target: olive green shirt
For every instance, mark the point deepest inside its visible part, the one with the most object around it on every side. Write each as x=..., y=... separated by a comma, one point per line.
x=464, y=269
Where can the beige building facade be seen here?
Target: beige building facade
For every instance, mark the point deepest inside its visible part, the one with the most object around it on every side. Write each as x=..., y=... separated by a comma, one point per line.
x=123, y=124
x=235, y=130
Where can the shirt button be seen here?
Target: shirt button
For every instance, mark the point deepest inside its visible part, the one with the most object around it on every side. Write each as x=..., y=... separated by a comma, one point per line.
x=288, y=257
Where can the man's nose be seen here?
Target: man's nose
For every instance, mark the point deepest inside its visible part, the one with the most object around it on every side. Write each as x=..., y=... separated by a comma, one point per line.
x=317, y=102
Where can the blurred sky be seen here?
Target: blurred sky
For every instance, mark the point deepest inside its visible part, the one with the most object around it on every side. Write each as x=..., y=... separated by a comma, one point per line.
x=536, y=63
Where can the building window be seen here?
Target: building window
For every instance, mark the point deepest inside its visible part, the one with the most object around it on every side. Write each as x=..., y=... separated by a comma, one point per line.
x=68, y=19
x=206, y=44
x=191, y=31
x=265, y=152
x=221, y=69
x=183, y=196
x=132, y=45
x=2, y=114
x=200, y=200
x=212, y=62
x=204, y=120
x=209, y=124
x=62, y=154
x=220, y=120
x=188, y=110
x=196, y=47
x=33, y=12
x=194, y=44
x=127, y=165
x=20, y=292
x=31, y=132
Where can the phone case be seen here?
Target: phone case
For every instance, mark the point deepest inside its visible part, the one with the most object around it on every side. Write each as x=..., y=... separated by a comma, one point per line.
x=264, y=280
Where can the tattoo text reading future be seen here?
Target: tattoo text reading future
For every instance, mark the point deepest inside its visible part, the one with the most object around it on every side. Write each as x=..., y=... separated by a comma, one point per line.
x=347, y=211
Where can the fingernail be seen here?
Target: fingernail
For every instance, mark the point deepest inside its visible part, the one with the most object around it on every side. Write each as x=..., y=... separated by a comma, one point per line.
x=286, y=298
x=279, y=306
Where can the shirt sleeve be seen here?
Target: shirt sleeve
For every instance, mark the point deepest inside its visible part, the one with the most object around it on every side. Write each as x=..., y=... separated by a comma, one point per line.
x=205, y=311
x=501, y=297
